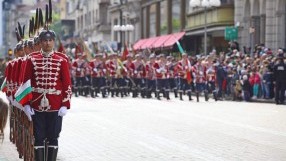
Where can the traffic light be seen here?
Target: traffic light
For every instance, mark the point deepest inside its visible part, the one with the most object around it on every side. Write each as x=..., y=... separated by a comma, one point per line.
x=10, y=52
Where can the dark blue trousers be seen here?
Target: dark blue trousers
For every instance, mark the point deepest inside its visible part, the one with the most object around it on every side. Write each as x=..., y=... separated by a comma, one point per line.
x=47, y=127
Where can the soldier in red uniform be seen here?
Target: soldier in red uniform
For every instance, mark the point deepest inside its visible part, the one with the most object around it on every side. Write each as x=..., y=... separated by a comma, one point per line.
x=183, y=67
x=47, y=76
x=97, y=73
x=129, y=65
x=87, y=80
x=138, y=72
x=114, y=73
x=211, y=77
x=171, y=65
x=150, y=76
x=200, y=79
x=161, y=75
x=79, y=66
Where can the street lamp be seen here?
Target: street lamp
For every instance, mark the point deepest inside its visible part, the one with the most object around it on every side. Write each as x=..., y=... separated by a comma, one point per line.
x=205, y=4
x=122, y=29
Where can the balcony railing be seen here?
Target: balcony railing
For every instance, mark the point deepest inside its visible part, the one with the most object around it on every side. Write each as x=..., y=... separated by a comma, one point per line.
x=221, y=16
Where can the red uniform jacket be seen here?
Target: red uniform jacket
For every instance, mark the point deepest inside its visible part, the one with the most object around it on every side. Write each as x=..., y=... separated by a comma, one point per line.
x=139, y=69
x=49, y=76
x=79, y=67
x=200, y=73
x=150, y=71
x=97, y=67
x=160, y=70
x=112, y=67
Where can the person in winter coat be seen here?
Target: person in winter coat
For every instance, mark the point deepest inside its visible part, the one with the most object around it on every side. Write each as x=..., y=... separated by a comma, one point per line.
x=255, y=82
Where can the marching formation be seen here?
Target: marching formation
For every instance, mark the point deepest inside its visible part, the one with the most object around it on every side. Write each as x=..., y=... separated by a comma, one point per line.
x=38, y=86
x=142, y=75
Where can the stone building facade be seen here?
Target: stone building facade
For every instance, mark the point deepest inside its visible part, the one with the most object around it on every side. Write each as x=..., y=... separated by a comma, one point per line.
x=261, y=21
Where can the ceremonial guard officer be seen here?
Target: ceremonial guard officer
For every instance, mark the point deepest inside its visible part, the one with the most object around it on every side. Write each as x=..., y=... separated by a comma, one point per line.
x=98, y=72
x=138, y=75
x=129, y=65
x=280, y=79
x=161, y=75
x=184, y=71
x=113, y=71
x=172, y=74
x=79, y=66
x=211, y=78
x=200, y=79
x=45, y=94
x=150, y=76
x=87, y=80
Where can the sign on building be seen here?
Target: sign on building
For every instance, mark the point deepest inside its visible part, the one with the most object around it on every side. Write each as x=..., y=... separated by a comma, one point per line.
x=231, y=33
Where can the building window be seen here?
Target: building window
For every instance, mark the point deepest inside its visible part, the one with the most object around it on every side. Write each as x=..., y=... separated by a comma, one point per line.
x=176, y=23
x=163, y=27
x=152, y=20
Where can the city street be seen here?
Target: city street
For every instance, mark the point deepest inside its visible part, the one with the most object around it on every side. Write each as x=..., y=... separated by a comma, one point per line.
x=127, y=129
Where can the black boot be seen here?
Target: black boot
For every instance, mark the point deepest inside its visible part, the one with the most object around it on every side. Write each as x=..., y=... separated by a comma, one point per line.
x=158, y=95
x=103, y=92
x=117, y=92
x=134, y=93
x=181, y=96
x=96, y=91
x=86, y=91
x=206, y=96
x=215, y=95
x=80, y=91
x=125, y=91
x=176, y=93
x=190, y=96
x=168, y=95
x=92, y=92
x=197, y=93
x=76, y=92
x=52, y=153
x=164, y=94
x=143, y=93
x=121, y=92
x=112, y=92
x=39, y=154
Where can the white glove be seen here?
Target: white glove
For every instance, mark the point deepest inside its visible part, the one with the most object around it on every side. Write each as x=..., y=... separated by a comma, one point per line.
x=63, y=111
x=94, y=69
x=78, y=69
x=29, y=112
x=135, y=71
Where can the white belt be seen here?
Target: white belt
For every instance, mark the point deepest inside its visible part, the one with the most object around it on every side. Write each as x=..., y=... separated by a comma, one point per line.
x=47, y=91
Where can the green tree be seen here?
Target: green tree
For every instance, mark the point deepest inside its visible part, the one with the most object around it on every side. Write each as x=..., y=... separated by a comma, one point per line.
x=56, y=25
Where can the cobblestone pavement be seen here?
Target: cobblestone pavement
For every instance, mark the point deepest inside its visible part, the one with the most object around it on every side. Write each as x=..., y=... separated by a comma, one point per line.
x=116, y=129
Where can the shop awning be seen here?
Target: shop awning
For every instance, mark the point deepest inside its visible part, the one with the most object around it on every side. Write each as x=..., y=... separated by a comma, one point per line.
x=160, y=41
x=149, y=43
x=164, y=41
x=138, y=44
x=173, y=38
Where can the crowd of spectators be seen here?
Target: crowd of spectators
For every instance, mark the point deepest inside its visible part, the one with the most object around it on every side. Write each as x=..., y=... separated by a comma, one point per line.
x=246, y=76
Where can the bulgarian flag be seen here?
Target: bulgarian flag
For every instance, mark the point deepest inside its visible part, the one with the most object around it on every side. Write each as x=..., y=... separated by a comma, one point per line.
x=4, y=86
x=180, y=47
x=189, y=74
x=24, y=93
